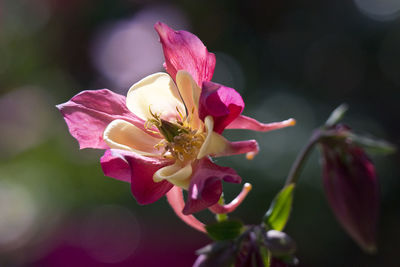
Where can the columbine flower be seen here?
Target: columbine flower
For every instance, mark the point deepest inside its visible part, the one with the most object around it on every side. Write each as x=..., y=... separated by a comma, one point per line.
x=351, y=187
x=163, y=134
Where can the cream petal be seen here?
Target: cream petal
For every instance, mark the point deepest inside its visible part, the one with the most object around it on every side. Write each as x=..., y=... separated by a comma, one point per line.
x=176, y=174
x=190, y=93
x=157, y=92
x=120, y=134
x=214, y=143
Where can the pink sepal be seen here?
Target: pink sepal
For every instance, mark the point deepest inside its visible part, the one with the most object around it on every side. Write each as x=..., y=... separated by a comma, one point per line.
x=88, y=113
x=244, y=122
x=115, y=165
x=224, y=104
x=250, y=147
x=205, y=188
x=119, y=163
x=185, y=51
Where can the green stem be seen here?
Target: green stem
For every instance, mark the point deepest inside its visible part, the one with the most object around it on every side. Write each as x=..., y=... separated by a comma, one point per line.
x=221, y=217
x=333, y=119
x=301, y=158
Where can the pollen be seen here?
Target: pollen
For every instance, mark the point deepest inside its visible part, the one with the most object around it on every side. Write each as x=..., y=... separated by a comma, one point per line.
x=186, y=146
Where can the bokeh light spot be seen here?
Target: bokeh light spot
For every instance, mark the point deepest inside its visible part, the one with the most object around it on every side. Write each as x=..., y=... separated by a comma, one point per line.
x=25, y=119
x=110, y=234
x=381, y=10
x=128, y=50
x=18, y=214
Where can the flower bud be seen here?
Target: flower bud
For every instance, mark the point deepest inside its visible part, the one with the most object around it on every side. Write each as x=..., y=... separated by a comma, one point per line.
x=249, y=251
x=219, y=254
x=279, y=243
x=351, y=187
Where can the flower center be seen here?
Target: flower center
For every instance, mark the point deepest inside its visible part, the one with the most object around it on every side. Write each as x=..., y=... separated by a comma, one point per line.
x=180, y=141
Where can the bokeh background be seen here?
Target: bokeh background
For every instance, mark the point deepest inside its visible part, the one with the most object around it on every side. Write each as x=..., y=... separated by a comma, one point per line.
x=287, y=58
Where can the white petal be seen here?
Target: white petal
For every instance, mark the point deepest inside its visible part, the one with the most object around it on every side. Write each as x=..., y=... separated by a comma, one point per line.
x=190, y=93
x=157, y=92
x=120, y=134
x=176, y=174
x=214, y=143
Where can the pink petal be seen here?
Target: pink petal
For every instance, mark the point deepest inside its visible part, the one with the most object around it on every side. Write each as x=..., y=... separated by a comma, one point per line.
x=115, y=165
x=124, y=165
x=205, y=187
x=185, y=51
x=244, y=122
x=224, y=104
x=88, y=113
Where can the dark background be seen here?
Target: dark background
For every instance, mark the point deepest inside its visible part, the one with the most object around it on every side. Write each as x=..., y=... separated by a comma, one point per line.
x=296, y=59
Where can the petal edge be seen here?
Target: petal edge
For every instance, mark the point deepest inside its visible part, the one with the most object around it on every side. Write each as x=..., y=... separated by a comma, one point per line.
x=185, y=51
x=88, y=113
x=223, y=103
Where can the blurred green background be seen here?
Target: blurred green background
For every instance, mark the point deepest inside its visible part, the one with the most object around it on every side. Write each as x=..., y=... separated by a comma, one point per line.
x=287, y=58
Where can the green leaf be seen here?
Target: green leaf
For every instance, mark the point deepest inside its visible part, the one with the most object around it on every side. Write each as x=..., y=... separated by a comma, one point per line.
x=279, y=211
x=224, y=230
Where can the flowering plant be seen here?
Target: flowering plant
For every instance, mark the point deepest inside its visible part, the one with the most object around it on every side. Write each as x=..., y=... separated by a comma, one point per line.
x=162, y=136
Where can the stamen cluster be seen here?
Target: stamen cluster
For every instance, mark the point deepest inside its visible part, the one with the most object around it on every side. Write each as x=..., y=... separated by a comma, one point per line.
x=180, y=141
x=185, y=146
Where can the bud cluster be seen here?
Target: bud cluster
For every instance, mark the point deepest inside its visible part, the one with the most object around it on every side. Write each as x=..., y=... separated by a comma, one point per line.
x=256, y=246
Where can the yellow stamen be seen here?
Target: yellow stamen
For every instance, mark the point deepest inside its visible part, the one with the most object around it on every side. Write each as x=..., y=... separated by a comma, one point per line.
x=181, y=141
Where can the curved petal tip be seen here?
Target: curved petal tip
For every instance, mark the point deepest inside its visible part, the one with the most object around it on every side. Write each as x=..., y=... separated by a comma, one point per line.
x=228, y=208
x=290, y=122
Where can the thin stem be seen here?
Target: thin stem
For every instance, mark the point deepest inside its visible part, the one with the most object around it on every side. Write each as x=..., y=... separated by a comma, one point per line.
x=221, y=216
x=301, y=158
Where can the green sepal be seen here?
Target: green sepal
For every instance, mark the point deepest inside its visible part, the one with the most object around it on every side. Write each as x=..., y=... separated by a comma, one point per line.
x=279, y=211
x=372, y=145
x=336, y=115
x=225, y=230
